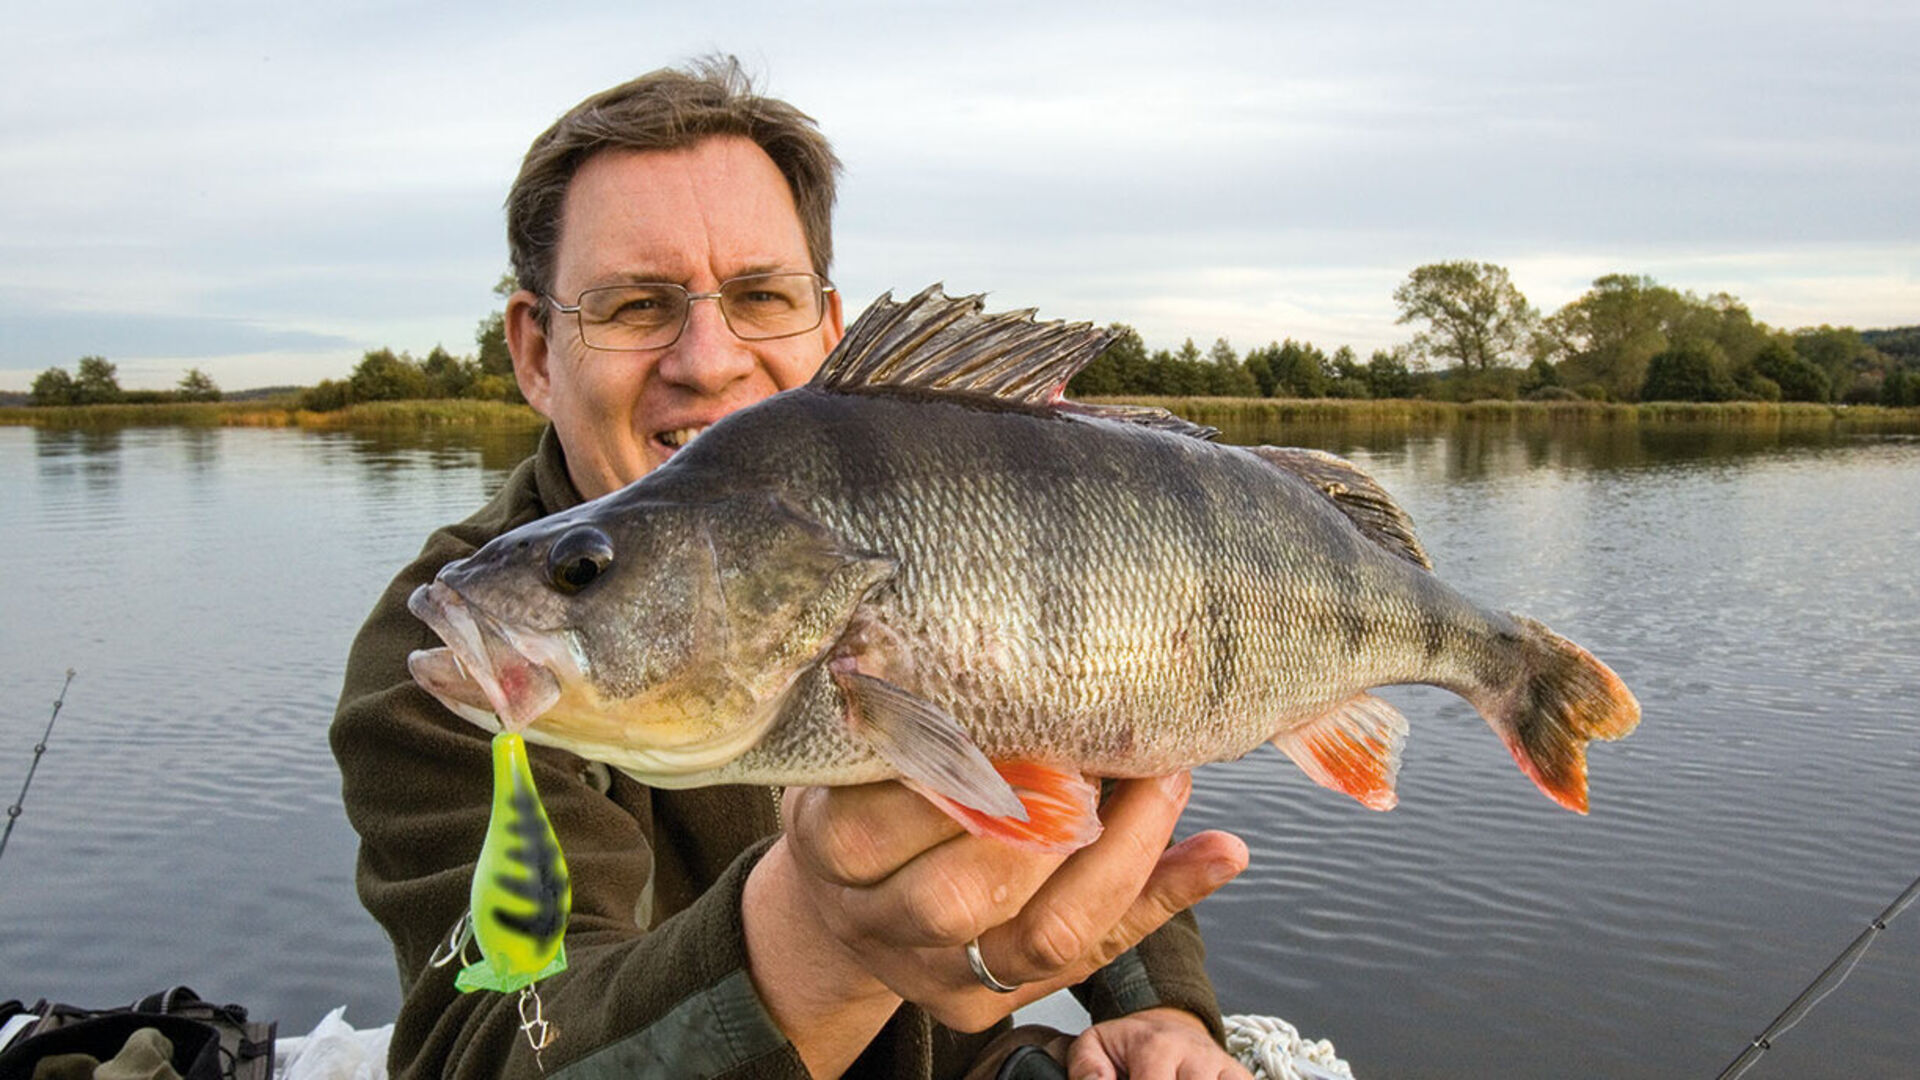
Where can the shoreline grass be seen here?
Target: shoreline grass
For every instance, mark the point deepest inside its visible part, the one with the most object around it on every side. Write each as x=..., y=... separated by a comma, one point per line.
x=1349, y=412
x=1421, y=413
x=492, y=415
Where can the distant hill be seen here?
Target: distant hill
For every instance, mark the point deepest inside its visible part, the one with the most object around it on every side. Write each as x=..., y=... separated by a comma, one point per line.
x=14, y=398
x=1901, y=341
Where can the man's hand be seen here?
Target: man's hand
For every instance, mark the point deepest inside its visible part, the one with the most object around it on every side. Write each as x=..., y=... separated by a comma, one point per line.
x=894, y=889
x=1155, y=1044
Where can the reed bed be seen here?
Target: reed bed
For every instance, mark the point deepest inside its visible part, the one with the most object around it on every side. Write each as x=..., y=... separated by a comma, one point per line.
x=1416, y=414
x=459, y=412
x=1360, y=415
x=281, y=413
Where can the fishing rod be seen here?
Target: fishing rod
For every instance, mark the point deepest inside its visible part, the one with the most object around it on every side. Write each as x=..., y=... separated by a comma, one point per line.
x=39, y=748
x=1825, y=983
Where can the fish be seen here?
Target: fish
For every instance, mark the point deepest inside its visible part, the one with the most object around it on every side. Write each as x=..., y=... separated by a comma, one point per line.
x=928, y=564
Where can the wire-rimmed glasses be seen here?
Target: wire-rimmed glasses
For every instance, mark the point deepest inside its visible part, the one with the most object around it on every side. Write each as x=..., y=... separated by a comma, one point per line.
x=652, y=315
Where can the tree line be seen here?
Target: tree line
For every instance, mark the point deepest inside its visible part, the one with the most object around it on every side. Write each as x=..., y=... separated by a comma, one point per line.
x=1628, y=338
x=96, y=381
x=384, y=375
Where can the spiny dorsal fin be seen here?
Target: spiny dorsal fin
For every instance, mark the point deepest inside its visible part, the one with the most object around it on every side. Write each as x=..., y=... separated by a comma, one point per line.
x=945, y=344
x=1358, y=496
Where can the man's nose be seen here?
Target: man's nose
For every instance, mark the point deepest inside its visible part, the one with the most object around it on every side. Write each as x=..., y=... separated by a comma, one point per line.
x=709, y=356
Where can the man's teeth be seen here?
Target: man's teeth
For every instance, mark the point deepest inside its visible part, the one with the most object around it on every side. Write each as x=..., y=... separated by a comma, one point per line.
x=680, y=437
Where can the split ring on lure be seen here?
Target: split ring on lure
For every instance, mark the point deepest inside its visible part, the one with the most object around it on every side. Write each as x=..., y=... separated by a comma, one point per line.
x=521, y=892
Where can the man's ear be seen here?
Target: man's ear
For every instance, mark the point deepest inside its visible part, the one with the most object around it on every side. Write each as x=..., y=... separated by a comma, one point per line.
x=527, y=342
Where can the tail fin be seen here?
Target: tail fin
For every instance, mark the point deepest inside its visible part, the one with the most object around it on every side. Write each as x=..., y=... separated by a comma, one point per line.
x=1563, y=699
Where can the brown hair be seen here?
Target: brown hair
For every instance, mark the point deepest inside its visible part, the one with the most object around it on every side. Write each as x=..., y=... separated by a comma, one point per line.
x=669, y=109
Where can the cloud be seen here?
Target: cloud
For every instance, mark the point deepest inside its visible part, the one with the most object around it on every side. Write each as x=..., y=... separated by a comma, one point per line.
x=34, y=340
x=1252, y=170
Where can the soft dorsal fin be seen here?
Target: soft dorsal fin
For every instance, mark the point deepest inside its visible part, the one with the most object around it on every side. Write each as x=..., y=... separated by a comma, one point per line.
x=1357, y=495
x=944, y=344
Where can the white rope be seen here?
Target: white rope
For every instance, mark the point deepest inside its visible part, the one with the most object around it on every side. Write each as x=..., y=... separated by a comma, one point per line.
x=1274, y=1050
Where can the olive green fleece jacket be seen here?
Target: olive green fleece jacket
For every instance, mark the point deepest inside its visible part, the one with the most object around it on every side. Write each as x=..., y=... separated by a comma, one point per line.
x=663, y=994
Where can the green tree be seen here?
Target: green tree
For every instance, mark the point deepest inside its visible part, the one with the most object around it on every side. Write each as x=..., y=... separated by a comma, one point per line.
x=1388, y=375
x=1226, y=375
x=1900, y=389
x=1690, y=371
x=196, y=385
x=1347, y=376
x=1475, y=315
x=491, y=334
x=1840, y=352
x=1541, y=376
x=328, y=395
x=447, y=375
x=1299, y=370
x=1185, y=374
x=1797, y=378
x=383, y=376
x=1608, y=335
x=97, y=382
x=53, y=387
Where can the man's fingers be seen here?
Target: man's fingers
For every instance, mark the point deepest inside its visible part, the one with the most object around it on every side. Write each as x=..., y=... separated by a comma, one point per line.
x=1188, y=873
x=858, y=836
x=951, y=894
x=1073, y=914
x=1087, y=1058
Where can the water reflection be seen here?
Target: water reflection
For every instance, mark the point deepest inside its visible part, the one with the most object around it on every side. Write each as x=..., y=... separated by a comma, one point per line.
x=200, y=448
x=1478, y=448
x=93, y=454
x=388, y=456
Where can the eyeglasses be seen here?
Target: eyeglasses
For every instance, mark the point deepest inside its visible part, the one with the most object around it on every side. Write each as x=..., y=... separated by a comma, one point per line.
x=652, y=315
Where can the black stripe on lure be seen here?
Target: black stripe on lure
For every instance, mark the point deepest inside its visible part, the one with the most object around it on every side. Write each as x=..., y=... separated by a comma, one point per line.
x=521, y=892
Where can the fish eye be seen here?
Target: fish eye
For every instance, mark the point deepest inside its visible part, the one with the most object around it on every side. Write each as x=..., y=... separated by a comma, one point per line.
x=577, y=558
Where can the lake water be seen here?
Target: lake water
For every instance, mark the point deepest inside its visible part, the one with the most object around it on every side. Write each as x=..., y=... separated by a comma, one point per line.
x=1760, y=593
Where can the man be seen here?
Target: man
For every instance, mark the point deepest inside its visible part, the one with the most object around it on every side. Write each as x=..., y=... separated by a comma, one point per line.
x=867, y=935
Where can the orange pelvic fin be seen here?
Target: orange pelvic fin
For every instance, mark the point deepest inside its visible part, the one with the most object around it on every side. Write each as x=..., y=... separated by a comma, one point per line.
x=1062, y=808
x=1354, y=747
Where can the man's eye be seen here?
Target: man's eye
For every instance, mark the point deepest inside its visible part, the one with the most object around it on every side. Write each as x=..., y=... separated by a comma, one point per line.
x=764, y=298
x=641, y=309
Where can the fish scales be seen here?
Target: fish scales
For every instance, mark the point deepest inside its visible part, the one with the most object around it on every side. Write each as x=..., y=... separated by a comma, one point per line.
x=926, y=564
x=1059, y=606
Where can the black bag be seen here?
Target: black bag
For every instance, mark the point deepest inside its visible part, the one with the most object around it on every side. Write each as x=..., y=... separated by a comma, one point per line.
x=210, y=1042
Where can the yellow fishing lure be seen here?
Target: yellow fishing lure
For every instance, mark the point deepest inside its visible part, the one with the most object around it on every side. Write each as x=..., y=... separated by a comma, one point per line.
x=521, y=892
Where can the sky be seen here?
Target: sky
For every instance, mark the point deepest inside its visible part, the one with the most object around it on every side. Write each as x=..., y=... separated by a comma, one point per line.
x=267, y=191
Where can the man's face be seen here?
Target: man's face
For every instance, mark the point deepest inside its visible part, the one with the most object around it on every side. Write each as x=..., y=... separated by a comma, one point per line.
x=694, y=217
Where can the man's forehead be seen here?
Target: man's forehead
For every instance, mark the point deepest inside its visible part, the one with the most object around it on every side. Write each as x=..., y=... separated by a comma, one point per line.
x=719, y=207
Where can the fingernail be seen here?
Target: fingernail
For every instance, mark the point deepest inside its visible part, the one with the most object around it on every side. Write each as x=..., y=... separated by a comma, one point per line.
x=1222, y=871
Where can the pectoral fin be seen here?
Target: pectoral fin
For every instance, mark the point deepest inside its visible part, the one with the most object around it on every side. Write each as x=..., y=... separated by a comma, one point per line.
x=928, y=746
x=1353, y=747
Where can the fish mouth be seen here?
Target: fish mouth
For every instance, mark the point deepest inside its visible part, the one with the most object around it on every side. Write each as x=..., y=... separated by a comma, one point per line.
x=488, y=673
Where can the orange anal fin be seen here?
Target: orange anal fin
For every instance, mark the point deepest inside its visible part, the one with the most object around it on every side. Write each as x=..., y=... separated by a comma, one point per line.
x=1062, y=808
x=1353, y=747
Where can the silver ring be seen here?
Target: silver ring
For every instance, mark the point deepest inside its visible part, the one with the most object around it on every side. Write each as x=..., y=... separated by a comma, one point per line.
x=980, y=971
